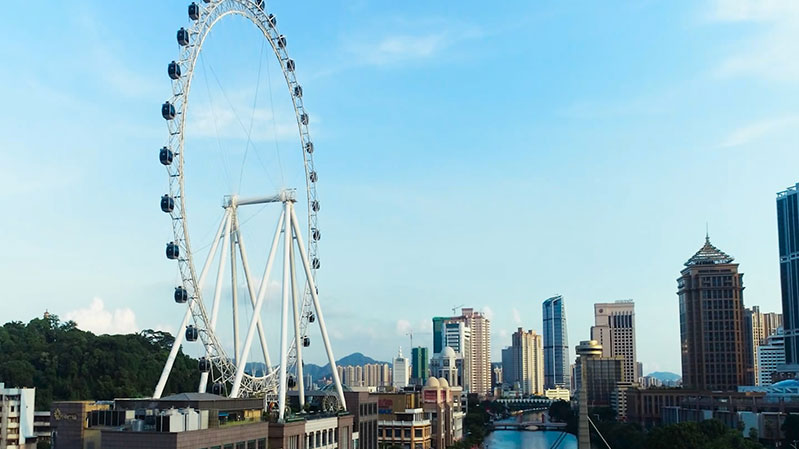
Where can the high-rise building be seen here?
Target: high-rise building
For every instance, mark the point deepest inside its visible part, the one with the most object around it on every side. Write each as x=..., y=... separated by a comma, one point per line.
x=420, y=359
x=710, y=291
x=601, y=373
x=770, y=355
x=508, y=367
x=400, y=371
x=456, y=335
x=480, y=357
x=556, y=344
x=527, y=352
x=614, y=329
x=757, y=328
x=469, y=335
x=438, y=336
x=788, y=230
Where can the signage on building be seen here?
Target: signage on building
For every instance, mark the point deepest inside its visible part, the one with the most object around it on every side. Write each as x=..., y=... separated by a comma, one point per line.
x=430, y=396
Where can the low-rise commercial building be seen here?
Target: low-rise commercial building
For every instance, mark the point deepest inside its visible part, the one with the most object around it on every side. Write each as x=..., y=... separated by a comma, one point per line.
x=409, y=429
x=442, y=404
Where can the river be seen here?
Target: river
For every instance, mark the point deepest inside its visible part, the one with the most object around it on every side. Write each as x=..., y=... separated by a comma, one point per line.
x=517, y=439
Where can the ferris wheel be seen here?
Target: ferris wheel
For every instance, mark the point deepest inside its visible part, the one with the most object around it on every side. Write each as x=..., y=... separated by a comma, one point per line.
x=222, y=371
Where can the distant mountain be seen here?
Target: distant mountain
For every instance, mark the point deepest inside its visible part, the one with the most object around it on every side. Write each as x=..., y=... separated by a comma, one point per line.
x=665, y=376
x=316, y=371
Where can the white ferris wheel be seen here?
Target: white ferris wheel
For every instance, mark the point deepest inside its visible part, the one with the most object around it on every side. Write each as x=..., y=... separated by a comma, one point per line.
x=294, y=242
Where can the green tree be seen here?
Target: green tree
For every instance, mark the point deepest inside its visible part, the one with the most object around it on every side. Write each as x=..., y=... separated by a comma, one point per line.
x=790, y=427
x=66, y=363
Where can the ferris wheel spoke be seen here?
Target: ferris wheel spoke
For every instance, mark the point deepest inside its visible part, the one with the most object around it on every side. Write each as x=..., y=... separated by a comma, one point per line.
x=217, y=292
x=251, y=290
x=257, y=310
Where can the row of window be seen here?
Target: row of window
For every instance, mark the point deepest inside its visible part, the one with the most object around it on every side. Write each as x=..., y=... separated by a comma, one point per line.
x=251, y=444
x=321, y=438
x=401, y=432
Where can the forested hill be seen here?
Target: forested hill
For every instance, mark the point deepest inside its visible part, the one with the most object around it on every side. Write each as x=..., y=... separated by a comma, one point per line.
x=66, y=363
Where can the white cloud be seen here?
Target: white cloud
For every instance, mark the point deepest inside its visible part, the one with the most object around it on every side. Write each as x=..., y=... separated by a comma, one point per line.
x=403, y=327
x=96, y=318
x=769, y=54
x=517, y=317
x=488, y=312
x=759, y=129
x=503, y=334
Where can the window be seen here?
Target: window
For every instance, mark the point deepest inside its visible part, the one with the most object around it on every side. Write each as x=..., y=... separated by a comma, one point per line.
x=262, y=443
x=229, y=446
x=240, y=445
x=417, y=432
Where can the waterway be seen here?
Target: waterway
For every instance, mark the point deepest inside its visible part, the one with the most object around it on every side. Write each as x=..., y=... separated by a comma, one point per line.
x=518, y=439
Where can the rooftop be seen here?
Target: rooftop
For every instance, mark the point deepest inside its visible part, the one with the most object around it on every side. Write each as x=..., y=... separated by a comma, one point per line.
x=709, y=255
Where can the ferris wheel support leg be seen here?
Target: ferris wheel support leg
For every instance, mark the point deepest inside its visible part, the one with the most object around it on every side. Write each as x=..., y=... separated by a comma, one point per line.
x=261, y=335
x=297, y=337
x=312, y=287
x=159, y=388
x=284, y=311
x=234, y=287
x=217, y=292
x=234, y=392
x=173, y=352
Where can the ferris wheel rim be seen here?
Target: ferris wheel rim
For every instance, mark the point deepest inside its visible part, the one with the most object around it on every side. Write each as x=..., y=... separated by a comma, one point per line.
x=190, y=49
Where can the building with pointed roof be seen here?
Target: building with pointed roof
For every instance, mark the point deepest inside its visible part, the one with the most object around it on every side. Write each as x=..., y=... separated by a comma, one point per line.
x=710, y=291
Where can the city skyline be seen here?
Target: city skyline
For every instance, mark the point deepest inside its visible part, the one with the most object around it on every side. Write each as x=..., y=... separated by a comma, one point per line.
x=556, y=162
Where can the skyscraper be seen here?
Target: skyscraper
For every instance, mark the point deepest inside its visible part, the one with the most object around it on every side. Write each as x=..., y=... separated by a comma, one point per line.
x=556, y=344
x=469, y=335
x=400, y=371
x=480, y=357
x=420, y=359
x=438, y=336
x=710, y=291
x=508, y=367
x=527, y=352
x=614, y=329
x=788, y=230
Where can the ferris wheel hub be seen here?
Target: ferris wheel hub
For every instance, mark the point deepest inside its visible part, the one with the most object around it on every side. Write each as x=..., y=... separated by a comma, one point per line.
x=283, y=196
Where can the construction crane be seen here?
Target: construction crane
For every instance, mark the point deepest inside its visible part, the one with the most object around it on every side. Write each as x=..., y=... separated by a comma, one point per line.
x=456, y=308
x=410, y=334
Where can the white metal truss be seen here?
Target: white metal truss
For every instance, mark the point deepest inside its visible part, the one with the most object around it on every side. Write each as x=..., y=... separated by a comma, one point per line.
x=227, y=370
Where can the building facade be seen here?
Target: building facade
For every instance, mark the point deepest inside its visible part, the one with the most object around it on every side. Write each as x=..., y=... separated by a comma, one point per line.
x=363, y=408
x=420, y=369
x=614, y=329
x=710, y=291
x=770, y=356
x=400, y=371
x=480, y=357
x=17, y=417
x=527, y=353
x=556, y=344
x=788, y=231
x=409, y=429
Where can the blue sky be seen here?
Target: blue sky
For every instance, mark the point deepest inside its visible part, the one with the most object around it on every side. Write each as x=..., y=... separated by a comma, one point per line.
x=468, y=153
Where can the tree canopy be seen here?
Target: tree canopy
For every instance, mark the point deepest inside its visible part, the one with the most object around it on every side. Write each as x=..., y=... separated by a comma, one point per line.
x=65, y=363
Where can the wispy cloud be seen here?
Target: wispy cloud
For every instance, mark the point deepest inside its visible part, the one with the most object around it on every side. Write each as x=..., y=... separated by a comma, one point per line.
x=517, y=317
x=759, y=129
x=402, y=42
x=770, y=53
